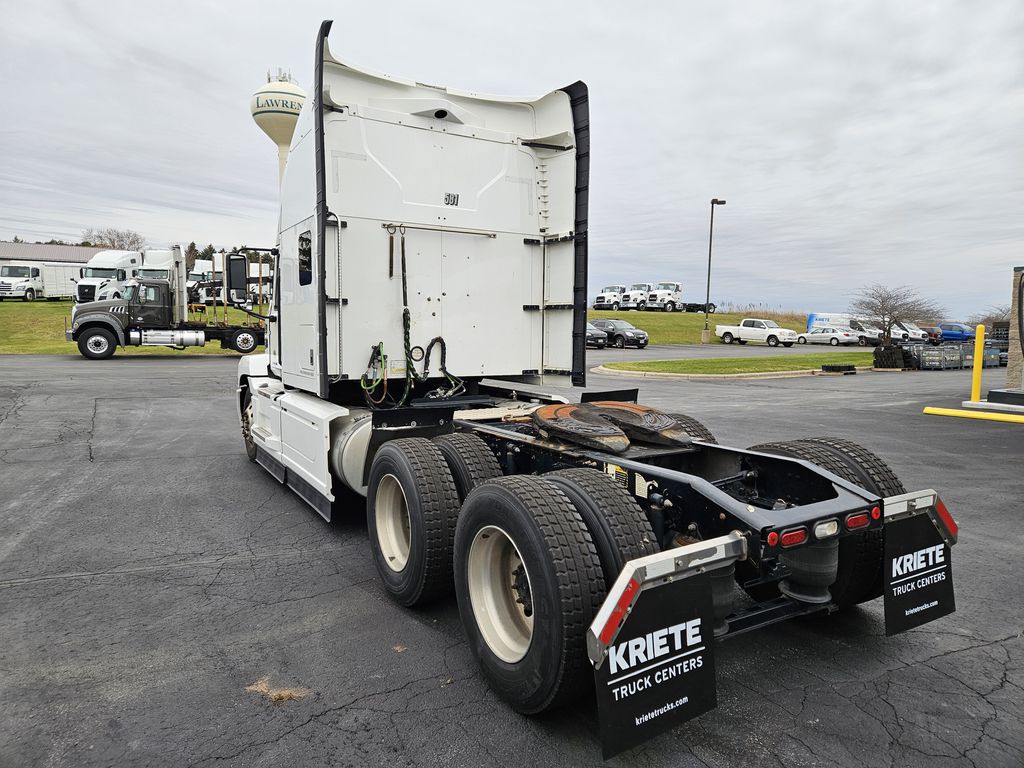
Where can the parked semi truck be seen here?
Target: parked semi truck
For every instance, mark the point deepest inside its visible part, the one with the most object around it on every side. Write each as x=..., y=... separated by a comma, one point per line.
x=31, y=280
x=105, y=275
x=594, y=547
x=153, y=312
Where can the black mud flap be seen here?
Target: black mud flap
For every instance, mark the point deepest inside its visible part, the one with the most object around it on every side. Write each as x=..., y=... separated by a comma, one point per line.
x=918, y=577
x=651, y=643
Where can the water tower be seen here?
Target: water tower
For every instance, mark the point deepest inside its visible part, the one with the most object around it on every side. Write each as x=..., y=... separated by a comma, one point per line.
x=275, y=108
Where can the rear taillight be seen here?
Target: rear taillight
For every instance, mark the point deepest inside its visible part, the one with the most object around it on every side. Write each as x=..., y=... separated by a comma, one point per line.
x=876, y=512
x=793, y=537
x=947, y=519
x=858, y=520
x=773, y=539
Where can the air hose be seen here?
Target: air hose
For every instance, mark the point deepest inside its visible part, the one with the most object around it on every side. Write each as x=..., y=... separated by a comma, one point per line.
x=376, y=373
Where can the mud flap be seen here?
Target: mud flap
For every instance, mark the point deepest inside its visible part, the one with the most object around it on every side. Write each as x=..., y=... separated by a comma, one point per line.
x=651, y=642
x=918, y=576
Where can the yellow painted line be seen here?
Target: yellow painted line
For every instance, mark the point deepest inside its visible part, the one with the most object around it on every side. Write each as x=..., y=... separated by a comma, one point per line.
x=1012, y=418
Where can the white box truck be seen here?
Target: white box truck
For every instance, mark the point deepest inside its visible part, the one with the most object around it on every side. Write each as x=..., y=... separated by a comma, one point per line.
x=30, y=280
x=105, y=275
x=421, y=295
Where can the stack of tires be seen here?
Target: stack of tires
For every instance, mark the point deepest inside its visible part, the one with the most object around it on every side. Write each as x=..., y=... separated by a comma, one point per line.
x=888, y=357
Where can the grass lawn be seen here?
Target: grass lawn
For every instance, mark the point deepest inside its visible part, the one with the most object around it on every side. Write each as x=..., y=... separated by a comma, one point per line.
x=37, y=328
x=799, y=362
x=685, y=327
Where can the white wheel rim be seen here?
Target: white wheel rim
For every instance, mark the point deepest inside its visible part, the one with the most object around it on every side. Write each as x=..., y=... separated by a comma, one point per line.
x=498, y=584
x=97, y=344
x=391, y=511
x=245, y=341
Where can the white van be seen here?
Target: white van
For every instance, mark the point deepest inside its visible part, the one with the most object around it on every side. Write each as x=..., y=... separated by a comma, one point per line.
x=30, y=280
x=104, y=276
x=867, y=333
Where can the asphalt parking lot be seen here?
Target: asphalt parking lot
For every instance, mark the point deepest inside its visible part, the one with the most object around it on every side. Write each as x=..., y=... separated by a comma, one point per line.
x=149, y=573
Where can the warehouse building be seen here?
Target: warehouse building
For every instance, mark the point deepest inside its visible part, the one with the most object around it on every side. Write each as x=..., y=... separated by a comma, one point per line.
x=72, y=254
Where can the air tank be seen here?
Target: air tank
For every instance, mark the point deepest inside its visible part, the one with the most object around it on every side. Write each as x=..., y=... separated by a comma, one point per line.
x=275, y=107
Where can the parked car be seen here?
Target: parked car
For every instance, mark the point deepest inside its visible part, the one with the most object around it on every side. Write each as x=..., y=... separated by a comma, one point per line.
x=622, y=334
x=636, y=296
x=596, y=337
x=824, y=334
x=610, y=297
x=867, y=331
x=956, y=332
x=755, y=329
x=934, y=334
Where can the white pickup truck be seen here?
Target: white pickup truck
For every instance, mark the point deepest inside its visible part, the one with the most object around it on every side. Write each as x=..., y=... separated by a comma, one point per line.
x=753, y=329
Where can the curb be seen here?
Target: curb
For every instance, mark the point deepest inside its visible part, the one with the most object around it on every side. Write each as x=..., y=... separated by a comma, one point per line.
x=715, y=376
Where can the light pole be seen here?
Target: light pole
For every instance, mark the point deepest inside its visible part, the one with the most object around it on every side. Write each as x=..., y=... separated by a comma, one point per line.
x=705, y=335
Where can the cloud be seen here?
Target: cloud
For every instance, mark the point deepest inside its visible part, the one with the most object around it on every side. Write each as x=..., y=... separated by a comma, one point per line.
x=854, y=142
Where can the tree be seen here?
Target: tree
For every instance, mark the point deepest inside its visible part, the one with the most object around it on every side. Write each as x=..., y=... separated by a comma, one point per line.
x=17, y=240
x=885, y=306
x=207, y=252
x=992, y=315
x=191, y=254
x=118, y=239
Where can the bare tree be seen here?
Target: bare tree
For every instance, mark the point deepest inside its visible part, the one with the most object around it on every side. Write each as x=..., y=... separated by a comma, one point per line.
x=885, y=306
x=118, y=239
x=994, y=314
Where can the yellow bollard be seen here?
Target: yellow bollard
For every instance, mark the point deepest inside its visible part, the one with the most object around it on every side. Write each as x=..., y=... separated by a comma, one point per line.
x=1009, y=418
x=979, y=354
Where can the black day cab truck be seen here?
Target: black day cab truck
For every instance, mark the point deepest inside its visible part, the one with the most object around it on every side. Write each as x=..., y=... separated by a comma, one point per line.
x=426, y=303
x=154, y=312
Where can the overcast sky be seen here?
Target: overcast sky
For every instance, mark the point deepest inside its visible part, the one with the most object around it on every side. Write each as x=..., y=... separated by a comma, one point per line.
x=853, y=141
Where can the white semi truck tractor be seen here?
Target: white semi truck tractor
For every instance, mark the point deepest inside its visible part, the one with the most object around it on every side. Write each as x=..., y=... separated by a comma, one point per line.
x=105, y=275
x=430, y=287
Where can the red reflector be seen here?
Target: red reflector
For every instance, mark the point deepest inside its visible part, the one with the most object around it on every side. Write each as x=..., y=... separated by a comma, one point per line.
x=773, y=539
x=951, y=527
x=621, y=606
x=857, y=521
x=794, y=537
x=876, y=513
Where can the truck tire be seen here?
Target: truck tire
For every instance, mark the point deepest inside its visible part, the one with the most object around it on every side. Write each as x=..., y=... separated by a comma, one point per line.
x=787, y=344
x=727, y=338
x=619, y=528
x=859, y=577
x=615, y=306
x=411, y=509
x=243, y=340
x=528, y=581
x=670, y=306
x=711, y=309
x=694, y=428
x=247, y=418
x=641, y=306
x=773, y=341
x=96, y=343
x=30, y=295
x=470, y=460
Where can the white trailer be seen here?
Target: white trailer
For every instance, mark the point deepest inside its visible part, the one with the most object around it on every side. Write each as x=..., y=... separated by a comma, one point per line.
x=105, y=275
x=30, y=280
x=431, y=267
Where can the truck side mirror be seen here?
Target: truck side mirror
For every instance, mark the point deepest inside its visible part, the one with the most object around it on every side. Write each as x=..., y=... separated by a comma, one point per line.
x=81, y=273
x=238, y=277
